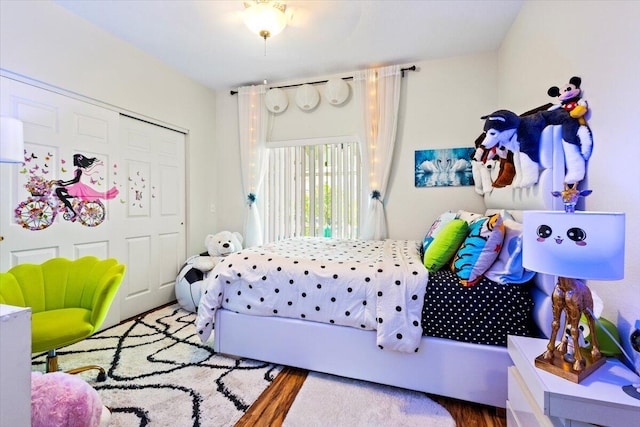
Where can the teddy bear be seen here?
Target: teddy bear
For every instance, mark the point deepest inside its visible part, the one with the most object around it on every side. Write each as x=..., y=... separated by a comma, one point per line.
x=218, y=246
x=59, y=399
x=191, y=278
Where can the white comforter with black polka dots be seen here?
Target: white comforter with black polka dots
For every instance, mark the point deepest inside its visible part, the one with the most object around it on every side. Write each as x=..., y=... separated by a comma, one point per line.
x=363, y=284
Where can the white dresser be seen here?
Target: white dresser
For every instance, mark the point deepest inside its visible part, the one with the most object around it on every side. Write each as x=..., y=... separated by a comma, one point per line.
x=15, y=366
x=539, y=398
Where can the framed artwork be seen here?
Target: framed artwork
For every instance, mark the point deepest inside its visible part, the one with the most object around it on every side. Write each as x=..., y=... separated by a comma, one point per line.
x=444, y=167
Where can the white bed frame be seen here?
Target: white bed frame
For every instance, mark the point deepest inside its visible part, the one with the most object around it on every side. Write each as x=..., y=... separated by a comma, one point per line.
x=472, y=372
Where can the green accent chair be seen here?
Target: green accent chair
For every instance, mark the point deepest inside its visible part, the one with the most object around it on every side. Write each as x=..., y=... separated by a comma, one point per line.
x=69, y=301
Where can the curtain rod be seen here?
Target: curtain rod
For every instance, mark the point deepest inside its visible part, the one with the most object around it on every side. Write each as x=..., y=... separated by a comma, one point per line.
x=402, y=70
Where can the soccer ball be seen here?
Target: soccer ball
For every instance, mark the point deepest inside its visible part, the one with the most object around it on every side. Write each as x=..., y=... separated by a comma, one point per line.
x=189, y=286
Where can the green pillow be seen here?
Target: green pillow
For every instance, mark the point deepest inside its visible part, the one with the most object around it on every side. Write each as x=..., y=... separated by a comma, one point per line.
x=445, y=244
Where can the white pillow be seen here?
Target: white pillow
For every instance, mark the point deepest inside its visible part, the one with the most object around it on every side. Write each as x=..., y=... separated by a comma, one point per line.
x=505, y=214
x=467, y=216
x=508, y=268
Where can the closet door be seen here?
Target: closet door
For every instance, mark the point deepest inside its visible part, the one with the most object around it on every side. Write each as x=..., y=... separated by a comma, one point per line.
x=56, y=128
x=134, y=210
x=152, y=222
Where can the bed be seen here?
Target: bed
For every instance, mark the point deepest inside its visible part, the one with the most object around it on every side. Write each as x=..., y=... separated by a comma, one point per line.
x=366, y=344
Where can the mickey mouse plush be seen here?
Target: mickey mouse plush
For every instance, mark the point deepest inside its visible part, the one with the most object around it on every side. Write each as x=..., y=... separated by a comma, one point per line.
x=570, y=97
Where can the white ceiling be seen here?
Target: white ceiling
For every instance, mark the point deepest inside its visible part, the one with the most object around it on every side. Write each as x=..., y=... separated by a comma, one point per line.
x=208, y=41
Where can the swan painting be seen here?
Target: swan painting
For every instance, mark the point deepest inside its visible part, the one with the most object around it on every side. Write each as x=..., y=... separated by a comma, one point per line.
x=445, y=167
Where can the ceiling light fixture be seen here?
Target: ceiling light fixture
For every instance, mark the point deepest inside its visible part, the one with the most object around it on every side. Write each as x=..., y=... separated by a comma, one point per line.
x=266, y=18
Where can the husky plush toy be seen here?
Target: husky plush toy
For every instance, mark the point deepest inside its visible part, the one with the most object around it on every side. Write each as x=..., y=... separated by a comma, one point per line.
x=521, y=135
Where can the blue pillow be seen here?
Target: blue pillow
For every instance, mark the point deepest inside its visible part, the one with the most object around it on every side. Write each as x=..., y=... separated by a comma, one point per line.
x=479, y=250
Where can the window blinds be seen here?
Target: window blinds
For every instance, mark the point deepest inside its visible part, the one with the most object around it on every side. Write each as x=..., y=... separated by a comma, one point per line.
x=312, y=190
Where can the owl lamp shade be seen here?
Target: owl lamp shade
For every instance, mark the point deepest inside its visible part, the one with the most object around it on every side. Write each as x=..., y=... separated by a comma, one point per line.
x=574, y=246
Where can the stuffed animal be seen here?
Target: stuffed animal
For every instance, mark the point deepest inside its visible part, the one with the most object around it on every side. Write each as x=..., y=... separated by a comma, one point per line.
x=484, y=167
x=577, y=140
x=191, y=278
x=218, y=245
x=521, y=135
x=59, y=399
x=491, y=168
x=507, y=169
x=507, y=131
x=223, y=243
x=570, y=97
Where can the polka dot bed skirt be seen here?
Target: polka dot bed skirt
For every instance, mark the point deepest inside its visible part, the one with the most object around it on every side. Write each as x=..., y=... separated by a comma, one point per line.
x=481, y=314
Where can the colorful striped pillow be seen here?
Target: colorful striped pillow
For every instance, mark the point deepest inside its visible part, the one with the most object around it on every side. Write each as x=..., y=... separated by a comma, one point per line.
x=479, y=250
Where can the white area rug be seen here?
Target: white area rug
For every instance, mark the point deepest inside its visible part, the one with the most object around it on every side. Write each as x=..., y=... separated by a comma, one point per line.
x=327, y=400
x=160, y=374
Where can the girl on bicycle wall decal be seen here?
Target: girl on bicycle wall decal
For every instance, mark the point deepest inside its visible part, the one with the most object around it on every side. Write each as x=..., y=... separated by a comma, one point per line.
x=75, y=188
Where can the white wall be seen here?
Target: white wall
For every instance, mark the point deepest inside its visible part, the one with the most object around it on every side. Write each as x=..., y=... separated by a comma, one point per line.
x=43, y=41
x=441, y=105
x=441, y=108
x=599, y=43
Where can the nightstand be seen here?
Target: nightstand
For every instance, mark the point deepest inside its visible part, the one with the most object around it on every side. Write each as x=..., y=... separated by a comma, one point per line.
x=15, y=366
x=539, y=398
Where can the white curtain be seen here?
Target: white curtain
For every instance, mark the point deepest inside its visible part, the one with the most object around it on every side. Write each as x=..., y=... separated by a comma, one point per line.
x=252, y=124
x=378, y=94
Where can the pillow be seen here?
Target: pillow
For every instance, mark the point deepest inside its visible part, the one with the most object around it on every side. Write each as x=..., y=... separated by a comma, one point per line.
x=479, y=249
x=503, y=212
x=469, y=216
x=435, y=228
x=445, y=244
x=508, y=266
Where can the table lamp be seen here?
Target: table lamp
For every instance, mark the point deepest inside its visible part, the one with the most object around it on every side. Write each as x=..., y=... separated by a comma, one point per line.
x=574, y=246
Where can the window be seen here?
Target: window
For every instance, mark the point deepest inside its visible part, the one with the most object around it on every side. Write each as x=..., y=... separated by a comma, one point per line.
x=312, y=190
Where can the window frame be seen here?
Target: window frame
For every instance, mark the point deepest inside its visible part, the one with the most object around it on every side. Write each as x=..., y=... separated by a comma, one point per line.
x=344, y=139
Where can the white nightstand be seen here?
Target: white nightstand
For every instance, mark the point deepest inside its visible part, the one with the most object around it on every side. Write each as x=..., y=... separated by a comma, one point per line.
x=539, y=398
x=15, y=366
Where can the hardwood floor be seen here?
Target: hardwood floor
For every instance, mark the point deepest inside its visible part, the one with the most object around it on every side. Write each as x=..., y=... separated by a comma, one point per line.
x=272, y=406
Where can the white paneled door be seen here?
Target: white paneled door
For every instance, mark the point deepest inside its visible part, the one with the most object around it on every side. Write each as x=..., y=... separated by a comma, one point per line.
x=152, y=225
x=94, y=182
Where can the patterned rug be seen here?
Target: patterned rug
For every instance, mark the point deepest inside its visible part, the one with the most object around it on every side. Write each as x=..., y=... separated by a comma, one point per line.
x=160, y=374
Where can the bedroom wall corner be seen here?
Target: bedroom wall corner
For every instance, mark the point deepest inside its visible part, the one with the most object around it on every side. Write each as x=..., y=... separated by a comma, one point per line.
x=230, y=202
x=600, y=45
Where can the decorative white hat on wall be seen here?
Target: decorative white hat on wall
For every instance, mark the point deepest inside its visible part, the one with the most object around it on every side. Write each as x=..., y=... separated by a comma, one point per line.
x=307, y=97
x=336, y=91
x=276, y=100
